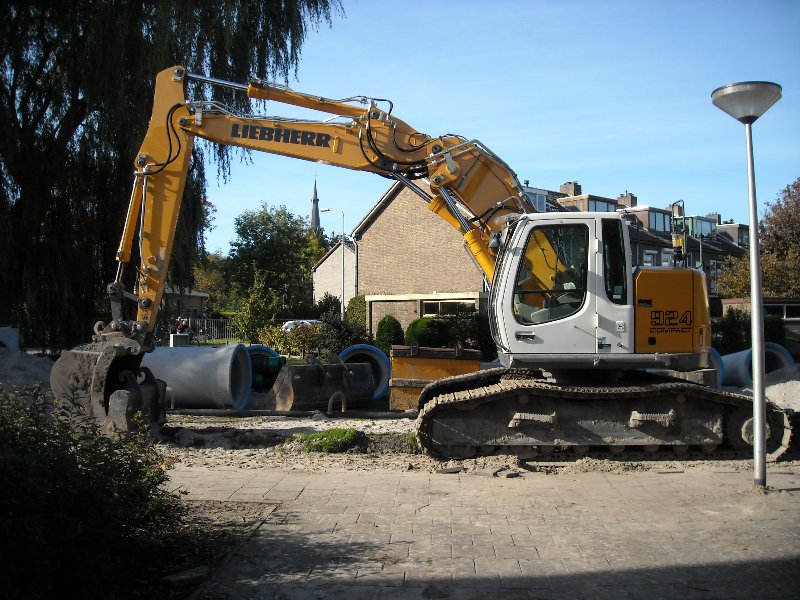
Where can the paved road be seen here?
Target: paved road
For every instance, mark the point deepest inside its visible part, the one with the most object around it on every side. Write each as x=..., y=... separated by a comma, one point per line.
x=655, y=535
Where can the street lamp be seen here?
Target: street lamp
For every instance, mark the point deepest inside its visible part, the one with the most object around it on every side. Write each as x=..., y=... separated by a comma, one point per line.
x=339, y=211
x=746, y=102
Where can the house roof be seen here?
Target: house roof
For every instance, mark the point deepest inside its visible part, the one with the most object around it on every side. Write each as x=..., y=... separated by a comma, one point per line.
x=173, y=290
x=349, y=244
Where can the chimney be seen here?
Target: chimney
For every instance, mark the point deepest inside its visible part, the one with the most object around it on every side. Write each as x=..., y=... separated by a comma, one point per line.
x=627, y=199
x=716, y=216
x=571, y=188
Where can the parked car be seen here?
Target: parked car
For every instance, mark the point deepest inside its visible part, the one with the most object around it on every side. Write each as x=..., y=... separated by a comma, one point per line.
x=289, y=325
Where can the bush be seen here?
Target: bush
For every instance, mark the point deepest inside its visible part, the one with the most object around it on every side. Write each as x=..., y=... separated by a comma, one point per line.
x=336, y=334
x=433, y=333
x=356, y=311
x=75, y=504
x=389, y=332
x=328, y=303
x=731, y=332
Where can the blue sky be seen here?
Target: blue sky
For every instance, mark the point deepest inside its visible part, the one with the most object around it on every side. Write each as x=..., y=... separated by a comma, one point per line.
x=614, y=94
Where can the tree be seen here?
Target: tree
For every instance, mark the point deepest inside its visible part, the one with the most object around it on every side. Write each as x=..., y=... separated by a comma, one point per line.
x=211, y=277
x=276, y=245
x=257, y=311
x=779, y=232
x=74, y=88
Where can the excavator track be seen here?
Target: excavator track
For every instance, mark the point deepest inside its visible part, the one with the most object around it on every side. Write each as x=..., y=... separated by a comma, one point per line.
x=639, y=415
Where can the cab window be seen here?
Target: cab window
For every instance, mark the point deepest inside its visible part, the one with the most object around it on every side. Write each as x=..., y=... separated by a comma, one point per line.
x=615, y=262
x=551, y=279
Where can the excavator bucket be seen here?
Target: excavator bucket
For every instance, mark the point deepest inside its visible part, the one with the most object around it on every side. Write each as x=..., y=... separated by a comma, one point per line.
x=106, y=382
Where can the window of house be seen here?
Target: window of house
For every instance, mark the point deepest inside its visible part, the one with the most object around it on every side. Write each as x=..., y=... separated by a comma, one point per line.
x=705, y=228
x=650, y=258
x=658, y=221
x=744, y=237
x=714, y=269
x=601, y=206
x=538, y=200
x=436, y=308
x=551, y=280
x=784, y=311
x=667, y=256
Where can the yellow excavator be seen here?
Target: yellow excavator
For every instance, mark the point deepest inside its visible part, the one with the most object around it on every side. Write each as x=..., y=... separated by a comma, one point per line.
x=579, y=330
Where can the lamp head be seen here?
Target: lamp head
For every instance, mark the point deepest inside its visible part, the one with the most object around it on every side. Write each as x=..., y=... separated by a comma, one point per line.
x=746, y=101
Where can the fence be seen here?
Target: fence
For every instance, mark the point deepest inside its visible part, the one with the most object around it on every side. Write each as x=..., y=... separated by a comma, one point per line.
x=212, y=329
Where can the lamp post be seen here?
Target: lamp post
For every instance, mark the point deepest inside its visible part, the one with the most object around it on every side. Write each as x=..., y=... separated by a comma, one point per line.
x=339, y=211
x=746, y=102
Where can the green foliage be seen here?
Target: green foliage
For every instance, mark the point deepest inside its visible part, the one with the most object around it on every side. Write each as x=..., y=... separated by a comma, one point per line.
x=331, y=441
x=276, y=245
x=731, y=332
x=389, y=332
x=75, y=504
x=258, y=310
x=779, y=231
x=212, y=277
x=296, y=342
x=432, y=333
x=468, y=329
x=328, y=303
x=356, y=311
x=336, y=334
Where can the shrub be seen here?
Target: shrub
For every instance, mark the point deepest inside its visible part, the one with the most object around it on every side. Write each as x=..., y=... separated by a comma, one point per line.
x=433, y=333
x=336, y=334
x=356, y=311
x=328, y=303
x=75, y=504
x=389, y=332
x=731, y=332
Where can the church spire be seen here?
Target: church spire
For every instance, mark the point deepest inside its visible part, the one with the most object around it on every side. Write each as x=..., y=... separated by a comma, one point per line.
x=314, y=220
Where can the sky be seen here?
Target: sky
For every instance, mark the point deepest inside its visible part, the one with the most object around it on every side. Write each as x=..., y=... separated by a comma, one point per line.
x=613, y=94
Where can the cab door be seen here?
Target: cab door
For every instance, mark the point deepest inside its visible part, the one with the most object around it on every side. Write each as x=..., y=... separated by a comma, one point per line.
x=544, y=303
x=613, y=299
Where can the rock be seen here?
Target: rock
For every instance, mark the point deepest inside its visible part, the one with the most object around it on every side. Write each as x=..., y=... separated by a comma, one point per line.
x=450, y=470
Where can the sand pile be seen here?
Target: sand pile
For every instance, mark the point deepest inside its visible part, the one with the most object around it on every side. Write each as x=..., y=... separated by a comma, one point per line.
x=18, y=369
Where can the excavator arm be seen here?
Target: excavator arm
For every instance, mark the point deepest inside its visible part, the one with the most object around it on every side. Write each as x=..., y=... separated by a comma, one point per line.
x=472, y=189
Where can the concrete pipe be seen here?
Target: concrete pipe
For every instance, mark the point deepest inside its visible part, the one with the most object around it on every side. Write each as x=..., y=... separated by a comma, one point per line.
x=739, y=365
x=715, y=362
x=378, y=362
x=203, y=376
x=266, y=363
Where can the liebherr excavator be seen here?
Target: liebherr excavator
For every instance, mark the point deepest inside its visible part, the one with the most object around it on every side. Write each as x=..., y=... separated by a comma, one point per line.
x=577, y=327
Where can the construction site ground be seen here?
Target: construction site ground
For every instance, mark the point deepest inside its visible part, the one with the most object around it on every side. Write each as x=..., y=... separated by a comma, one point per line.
x=269, y=520
x=393, y=524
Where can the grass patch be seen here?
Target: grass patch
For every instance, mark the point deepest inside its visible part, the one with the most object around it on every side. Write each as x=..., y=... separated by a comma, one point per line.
x=331, y=441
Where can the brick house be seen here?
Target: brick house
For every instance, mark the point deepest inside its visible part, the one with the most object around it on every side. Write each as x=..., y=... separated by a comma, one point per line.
x=411, y=263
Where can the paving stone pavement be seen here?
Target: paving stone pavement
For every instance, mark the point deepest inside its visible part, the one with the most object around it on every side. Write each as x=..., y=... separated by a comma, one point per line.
x=697, y=533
